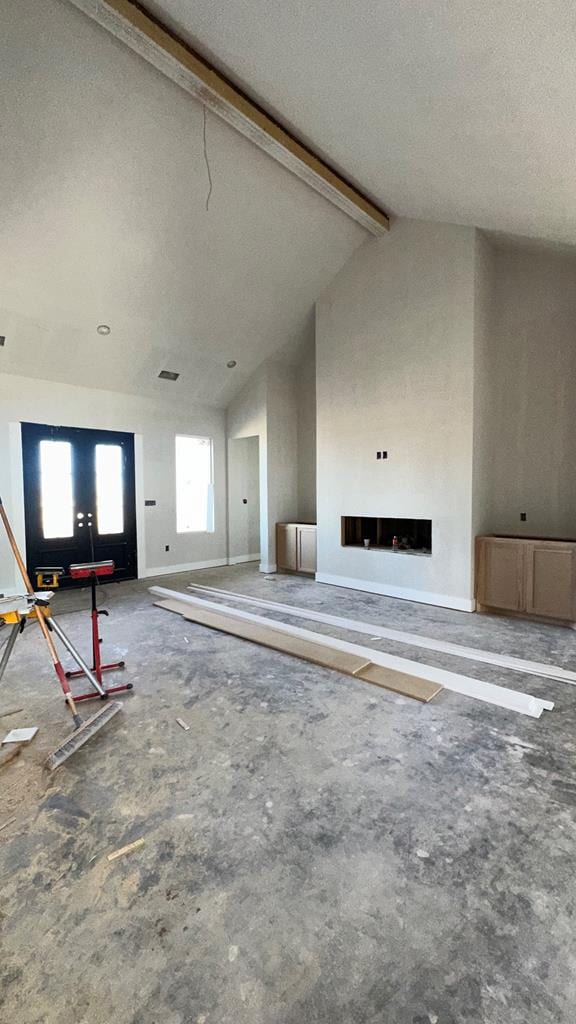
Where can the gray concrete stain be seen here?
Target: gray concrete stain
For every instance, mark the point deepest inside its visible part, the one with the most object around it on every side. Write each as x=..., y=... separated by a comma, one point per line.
x=314, y=850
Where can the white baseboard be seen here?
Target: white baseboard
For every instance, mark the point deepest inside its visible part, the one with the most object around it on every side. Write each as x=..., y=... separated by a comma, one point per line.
x=461, y=604
x=167, y=570
x=267, y=567
x=238, y=559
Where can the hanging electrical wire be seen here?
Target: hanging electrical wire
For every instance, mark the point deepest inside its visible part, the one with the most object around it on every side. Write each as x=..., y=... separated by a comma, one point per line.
x=206, y=161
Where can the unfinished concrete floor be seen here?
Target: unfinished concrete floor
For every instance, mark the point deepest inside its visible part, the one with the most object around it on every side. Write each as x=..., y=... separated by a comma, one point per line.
x=316, y=850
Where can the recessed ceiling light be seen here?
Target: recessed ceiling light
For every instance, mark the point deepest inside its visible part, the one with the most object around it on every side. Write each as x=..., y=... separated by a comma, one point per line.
x=231, y=364
x=103, y=329
x=168, y=375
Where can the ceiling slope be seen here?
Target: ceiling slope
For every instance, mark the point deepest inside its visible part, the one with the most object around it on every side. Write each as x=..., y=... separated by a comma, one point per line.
x=454, y=111
x=103, y=190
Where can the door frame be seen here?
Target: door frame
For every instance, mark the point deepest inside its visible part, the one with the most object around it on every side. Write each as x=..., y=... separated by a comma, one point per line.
x=15, y=502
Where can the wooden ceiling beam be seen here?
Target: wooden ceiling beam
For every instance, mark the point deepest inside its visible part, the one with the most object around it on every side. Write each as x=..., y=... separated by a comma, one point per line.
x=130, y=23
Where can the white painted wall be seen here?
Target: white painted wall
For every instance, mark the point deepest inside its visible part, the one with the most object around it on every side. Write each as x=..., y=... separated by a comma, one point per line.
x=306, y=412
x=243, y=500
x=156, y=422
x=394, y=354
x=484, y=386
x=266, y=409
x=530, y=418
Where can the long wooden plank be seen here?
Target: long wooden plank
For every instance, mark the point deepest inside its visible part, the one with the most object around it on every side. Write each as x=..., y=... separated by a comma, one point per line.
x=500, y=696
x=307, y=650
x=154, y=42
x=536, y=668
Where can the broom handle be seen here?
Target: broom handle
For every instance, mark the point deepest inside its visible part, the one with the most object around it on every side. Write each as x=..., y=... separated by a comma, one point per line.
x=37, y=611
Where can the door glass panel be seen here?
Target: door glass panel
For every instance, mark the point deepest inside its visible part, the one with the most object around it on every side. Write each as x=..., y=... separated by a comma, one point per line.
x=109, y=489
x=56, y=492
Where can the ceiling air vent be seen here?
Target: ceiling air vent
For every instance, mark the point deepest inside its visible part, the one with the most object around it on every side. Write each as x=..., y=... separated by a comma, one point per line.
x=168, y=375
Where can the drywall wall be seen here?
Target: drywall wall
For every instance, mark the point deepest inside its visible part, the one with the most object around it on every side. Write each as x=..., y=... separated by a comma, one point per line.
x=485, y=384
x=306, y=413
x=394, y=355
x=266, y=409
x=156, y=422
x=243, y=500
x=530, y=421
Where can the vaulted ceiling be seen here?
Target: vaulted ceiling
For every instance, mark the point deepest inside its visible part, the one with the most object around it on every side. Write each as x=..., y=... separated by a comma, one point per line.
x=459, y=112
x=453, y=110
x=103, y=191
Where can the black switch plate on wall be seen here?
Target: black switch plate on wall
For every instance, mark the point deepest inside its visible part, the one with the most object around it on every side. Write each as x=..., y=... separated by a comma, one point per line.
x=523, y=517
x=381, y=455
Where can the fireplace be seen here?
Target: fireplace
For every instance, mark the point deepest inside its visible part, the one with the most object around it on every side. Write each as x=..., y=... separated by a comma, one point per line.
x=413, y=536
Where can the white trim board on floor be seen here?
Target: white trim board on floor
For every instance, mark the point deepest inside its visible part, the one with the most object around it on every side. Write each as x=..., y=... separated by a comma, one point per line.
x=501, y=696
x=459, y=604
x=534, y=668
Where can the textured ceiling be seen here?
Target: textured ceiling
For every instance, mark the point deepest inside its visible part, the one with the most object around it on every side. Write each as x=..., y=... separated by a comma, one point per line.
x=449, y=110
x=103, y=185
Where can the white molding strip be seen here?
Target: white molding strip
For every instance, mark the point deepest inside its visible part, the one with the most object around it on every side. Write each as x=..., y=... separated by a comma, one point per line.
x=534, y=668
x=500, y=696
x=460, y=604
x=240, y=559
x=169, y=570
x=128, y=21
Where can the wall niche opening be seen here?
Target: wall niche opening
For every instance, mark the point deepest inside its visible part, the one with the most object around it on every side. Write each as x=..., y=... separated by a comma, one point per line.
x=414, y=536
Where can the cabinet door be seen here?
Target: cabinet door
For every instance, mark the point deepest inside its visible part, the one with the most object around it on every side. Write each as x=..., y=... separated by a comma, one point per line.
x=286, y=553
x=551, y=578
x=501, y=574
x=306, y=548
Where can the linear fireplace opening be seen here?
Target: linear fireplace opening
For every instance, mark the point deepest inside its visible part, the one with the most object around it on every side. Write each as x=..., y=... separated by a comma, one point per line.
x=410, y=536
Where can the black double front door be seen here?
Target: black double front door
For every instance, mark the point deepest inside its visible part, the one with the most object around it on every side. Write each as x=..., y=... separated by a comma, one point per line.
x=79, y=498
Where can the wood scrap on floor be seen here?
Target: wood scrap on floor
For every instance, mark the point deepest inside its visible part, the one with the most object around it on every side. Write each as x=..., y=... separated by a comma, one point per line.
x=308, y=650
x=183, y=724
x=11, y=711
x=25, y=735
x=125, y=849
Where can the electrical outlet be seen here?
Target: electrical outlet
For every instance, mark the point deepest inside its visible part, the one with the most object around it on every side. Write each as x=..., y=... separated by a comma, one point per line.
x=522, y=517
x=167, y=548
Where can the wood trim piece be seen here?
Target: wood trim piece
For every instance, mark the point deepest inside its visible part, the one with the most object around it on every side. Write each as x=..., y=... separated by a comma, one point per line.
x=130, y=23
x=501, y=696
x=307, y=650
x=535, y=668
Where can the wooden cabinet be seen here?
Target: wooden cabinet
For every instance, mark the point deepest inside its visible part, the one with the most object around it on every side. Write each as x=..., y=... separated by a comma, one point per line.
x=296, y=547
x=537, y=577
x=551, y=580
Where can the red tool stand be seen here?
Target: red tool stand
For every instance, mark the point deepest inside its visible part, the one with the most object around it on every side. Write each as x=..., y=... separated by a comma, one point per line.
x=91, y=571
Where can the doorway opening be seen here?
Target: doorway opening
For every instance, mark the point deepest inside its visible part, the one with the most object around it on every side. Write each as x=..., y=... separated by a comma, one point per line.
x=80, y=499
x=243, y=500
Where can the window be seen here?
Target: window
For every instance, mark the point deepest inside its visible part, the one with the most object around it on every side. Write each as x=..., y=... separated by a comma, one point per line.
x=194, y=489
x=56, y=494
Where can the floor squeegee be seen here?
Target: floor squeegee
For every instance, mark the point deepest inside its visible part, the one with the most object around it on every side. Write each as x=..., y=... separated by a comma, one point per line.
x=38, y=608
